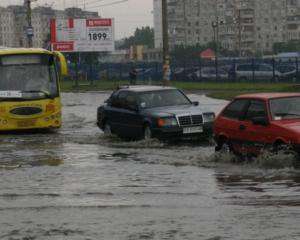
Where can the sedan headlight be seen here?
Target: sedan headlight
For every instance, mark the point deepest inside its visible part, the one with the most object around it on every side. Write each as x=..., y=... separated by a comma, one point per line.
x=209, y=117
x=167, y=122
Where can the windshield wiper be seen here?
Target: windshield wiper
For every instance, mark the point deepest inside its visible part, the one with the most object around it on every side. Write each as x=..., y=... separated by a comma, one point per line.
x=47, y=94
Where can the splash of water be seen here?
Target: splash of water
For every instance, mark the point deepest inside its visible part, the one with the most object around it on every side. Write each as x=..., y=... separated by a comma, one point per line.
x=282, y=159
x=267, y=159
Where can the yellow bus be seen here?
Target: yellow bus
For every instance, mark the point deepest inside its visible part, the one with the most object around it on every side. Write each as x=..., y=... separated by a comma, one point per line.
x=29, y=88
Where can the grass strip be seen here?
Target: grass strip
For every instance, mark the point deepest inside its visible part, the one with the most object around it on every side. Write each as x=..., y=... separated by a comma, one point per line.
x=215, y=90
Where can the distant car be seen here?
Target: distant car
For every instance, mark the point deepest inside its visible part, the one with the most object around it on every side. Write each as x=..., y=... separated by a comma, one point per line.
x=209, y=73
x=246, y=72
x=113, y=73
x=145, y=73
x=183, y=74
x=143, y=112
x=253, y=122
x=287, y=72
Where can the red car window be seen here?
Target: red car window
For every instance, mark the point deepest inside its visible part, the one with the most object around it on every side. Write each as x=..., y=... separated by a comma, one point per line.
x=236, y=109
x=256, y=109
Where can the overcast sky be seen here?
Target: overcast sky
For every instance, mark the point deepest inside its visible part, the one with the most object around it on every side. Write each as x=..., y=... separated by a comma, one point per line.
x=128, y=15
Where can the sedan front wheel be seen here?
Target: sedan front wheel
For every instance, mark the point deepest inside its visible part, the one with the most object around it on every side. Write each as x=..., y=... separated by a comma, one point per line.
x=107, y=129
x=147, y=133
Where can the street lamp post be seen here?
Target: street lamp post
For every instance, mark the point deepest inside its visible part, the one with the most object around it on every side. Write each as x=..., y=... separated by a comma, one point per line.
x=166, y=56
x=29, y=29
x=215, y=26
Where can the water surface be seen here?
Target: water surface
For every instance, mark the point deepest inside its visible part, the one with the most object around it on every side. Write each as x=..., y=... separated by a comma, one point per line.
x=78, y=184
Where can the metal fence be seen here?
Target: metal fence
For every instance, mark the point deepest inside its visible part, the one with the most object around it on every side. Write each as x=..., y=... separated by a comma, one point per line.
x=222, y=70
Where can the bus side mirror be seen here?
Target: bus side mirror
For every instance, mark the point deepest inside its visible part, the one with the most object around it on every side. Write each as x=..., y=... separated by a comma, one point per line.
x=63, y=63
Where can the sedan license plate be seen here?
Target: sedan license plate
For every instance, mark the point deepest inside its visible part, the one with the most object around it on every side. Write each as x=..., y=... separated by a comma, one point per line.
x=26, y=123
x=188, y=130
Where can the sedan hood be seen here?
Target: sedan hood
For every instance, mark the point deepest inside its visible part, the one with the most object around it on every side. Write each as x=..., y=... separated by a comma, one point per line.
x=174, y=111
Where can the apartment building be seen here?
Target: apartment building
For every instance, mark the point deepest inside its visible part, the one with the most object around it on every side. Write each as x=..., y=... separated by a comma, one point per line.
x=190, y=22
x=9, y=27
x=293, y=28
x=244, y=26
x=13, y=24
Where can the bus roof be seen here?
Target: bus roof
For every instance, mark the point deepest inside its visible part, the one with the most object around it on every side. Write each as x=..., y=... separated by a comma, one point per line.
x=13, y=51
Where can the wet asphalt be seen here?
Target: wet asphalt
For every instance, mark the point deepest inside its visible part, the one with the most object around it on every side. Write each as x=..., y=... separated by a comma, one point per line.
x=78, y=184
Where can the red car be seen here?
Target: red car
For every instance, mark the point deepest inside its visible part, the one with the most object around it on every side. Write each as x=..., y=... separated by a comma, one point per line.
x=253, y=122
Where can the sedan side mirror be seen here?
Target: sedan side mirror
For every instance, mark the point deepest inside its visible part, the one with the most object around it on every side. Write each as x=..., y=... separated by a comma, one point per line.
x=108, y=101
x=196, y=103
x=134, y=108
x=263, y=121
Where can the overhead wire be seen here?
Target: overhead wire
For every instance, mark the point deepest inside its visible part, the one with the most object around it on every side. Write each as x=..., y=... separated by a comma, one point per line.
x=86, y=3
x=93, y=2
x=109, y=4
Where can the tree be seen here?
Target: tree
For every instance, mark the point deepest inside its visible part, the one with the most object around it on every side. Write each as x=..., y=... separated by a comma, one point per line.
x=142, y=36
x=181, y=52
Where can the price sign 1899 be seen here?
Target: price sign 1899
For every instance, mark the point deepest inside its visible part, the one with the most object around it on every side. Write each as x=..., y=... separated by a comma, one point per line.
x=97, y=36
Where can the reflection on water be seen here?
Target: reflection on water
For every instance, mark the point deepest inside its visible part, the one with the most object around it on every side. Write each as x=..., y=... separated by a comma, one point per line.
x=47, y=161
x=78, y=184
x=8, y=166
x=37, y=162
x=30, y=150
x=279, y=188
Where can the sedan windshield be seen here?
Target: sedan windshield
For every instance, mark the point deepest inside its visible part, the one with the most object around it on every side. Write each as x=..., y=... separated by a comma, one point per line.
x=285, y=108
x=30, y=81
x=163, y=98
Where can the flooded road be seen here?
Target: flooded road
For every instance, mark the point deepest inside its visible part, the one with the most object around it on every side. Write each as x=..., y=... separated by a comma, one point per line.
x=78, y=184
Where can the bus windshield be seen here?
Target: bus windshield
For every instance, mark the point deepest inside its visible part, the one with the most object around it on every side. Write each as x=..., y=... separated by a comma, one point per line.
x=28, y=77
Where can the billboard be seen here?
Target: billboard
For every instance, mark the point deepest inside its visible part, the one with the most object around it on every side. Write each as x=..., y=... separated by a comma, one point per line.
x=82, y=35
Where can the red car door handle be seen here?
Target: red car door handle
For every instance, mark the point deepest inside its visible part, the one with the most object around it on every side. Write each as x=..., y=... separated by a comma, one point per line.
x=242, y=127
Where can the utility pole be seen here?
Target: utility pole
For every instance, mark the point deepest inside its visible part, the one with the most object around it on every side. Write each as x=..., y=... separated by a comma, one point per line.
x=238, y=28
x=29, y=29
x=286, y=23
x=215, y=25
x=166, y=55
x=239, y=33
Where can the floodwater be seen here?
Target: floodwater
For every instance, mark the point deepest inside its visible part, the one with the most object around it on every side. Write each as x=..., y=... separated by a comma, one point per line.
x=78, y=184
